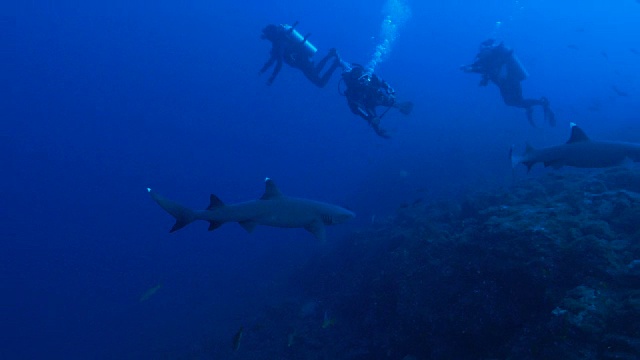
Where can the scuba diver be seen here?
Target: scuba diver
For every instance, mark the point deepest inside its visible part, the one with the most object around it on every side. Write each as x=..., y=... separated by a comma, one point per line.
x=365, y=91
x=498, y=64
x=292, y=48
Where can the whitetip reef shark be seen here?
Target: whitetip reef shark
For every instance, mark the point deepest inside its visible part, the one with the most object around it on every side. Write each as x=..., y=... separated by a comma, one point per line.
x=579, y=151
x=272, y=209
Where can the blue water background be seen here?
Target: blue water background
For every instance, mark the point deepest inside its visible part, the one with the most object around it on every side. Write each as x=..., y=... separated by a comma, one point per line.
x=106, y=99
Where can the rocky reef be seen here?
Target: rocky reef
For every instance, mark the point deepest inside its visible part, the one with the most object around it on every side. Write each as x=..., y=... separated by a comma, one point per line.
x=546, y=269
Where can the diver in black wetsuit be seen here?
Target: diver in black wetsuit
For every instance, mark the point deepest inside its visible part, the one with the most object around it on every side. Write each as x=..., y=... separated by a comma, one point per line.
x=290, y=47
x=498, y=64
x=365, y=91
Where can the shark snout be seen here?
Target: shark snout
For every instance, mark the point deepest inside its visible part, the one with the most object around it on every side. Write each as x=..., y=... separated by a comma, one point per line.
x=343, y=216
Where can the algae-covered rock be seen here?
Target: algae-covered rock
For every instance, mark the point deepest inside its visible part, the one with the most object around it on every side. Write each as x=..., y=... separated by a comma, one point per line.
x=547, y=269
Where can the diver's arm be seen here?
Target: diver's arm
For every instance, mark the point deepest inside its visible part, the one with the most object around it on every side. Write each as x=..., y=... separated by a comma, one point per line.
x=485, y=80
x=354, y=107
x=476, y=67
x=369, y=113
x=268, y=64
x=276, y=70
x=360, y=110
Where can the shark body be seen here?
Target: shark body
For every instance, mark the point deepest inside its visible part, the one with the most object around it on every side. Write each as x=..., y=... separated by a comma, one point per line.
x=272, y=209
x=579, y=151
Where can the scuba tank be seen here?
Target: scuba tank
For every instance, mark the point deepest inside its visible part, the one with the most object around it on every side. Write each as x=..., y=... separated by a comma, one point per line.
x=295, y=37
x=516, y=69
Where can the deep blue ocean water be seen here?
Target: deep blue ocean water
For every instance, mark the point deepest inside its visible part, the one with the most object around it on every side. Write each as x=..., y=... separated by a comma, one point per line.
x=103, y=100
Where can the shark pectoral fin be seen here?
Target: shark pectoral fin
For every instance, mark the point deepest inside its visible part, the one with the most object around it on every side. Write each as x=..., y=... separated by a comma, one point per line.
x=179, y=225
x=214, y=225
x=529, y=165
x=318, y=229
x=248, y=225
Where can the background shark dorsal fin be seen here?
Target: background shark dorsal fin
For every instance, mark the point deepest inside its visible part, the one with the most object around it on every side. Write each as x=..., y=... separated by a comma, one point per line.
x=271, y=190
x=577, y=135
x=214, y=202
x=528, y=148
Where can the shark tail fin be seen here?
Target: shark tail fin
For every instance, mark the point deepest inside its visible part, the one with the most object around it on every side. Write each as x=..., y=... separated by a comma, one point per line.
x=521, y=159
x=515, y=159
x=184, y=216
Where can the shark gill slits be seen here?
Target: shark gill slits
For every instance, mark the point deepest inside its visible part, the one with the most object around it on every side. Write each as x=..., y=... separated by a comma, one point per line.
x=327, y=220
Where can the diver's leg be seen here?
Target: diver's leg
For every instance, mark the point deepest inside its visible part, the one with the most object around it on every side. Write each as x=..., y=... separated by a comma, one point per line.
x=549, y=116
x=512, y=94
x=275, y=72
x=324, y=60
x=548, y=113
x=530, y=116
x=369, y=114
x=327, y=75
x=527, y=103
x=375, y=124
x=309, y=71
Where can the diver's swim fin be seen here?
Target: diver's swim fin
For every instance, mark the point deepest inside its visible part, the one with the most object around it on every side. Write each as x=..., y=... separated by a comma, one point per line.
x=548, y=113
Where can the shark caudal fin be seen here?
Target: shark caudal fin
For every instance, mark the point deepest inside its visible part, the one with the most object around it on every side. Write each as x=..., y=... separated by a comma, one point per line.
x=184, y=216
x=515, y=159
x=521, y=159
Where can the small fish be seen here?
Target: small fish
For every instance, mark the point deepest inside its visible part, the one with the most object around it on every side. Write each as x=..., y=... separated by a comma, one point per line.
x=236, y=339
x=328, y=321
x=593, y=108
x=604, y=55
x=414, y=203
x=291, y=339
x=572, y=46
x=150, y=292
x=635, y=51
x=618, y=91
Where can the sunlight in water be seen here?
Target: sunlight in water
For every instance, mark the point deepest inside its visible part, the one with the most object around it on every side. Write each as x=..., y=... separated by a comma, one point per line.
x=396, y=13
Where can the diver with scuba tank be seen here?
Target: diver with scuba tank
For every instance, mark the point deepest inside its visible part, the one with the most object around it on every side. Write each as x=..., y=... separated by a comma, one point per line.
x=498, y=64
x=290, y=47
x=365, y=91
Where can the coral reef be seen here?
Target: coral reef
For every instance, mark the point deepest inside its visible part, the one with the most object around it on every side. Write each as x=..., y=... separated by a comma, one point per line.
x=547, y=269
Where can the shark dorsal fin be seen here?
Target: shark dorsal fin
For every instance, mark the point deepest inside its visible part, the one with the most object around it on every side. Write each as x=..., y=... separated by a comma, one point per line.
x=528, y=148
x=577, y=135
x=271, y=191
x=214, y=202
